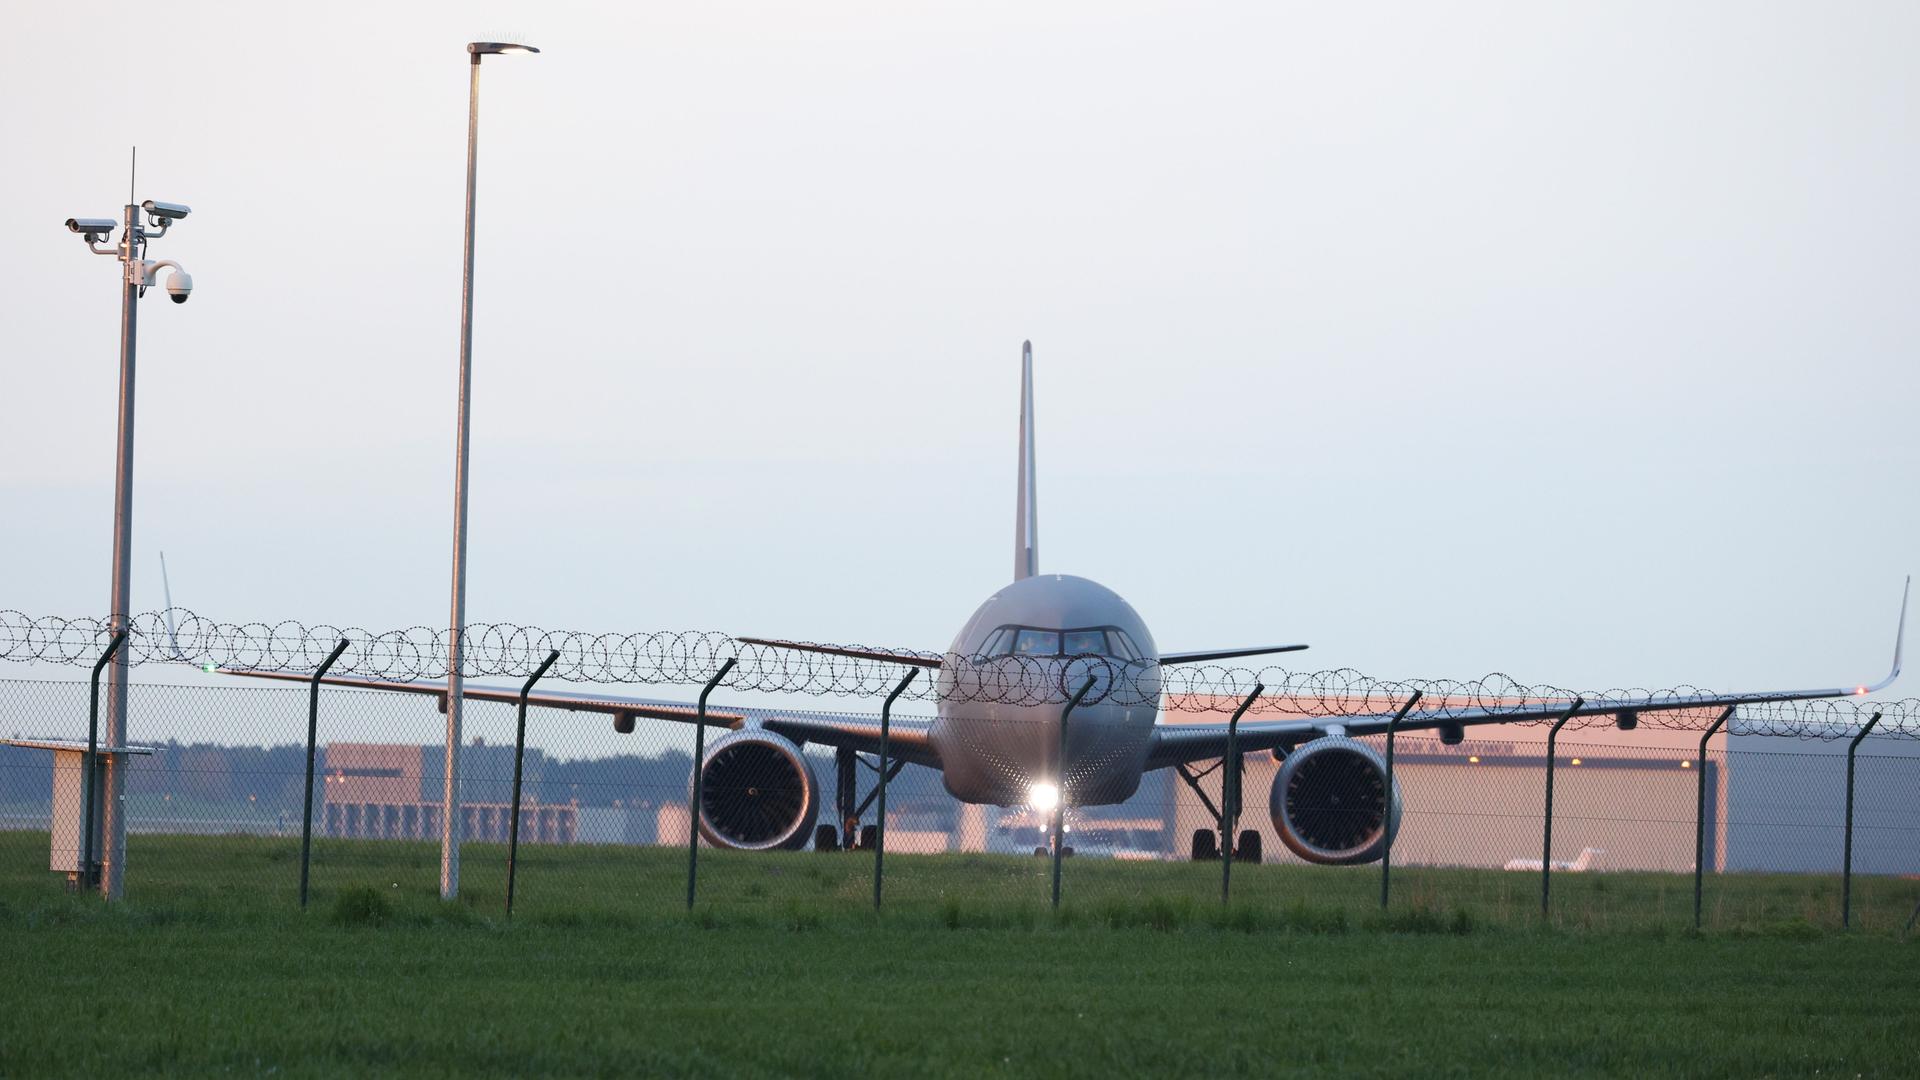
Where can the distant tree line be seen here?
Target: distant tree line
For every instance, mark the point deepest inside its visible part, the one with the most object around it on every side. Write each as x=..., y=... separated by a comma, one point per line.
x=205, y=772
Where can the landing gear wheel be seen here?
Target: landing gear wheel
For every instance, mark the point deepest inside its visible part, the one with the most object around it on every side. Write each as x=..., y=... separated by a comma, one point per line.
x=1040, y=852
x=1066, y=850
x=1206, y=846
x=869, y=837
x=826, y=838
x=1248, y=849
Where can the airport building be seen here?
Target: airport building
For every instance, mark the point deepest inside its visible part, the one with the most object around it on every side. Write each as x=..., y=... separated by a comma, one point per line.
x=396, y=791
x=1626, y=798
x=1623, y=800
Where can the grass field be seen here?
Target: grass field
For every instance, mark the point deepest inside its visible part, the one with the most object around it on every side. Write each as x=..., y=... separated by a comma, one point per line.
x=783, y=968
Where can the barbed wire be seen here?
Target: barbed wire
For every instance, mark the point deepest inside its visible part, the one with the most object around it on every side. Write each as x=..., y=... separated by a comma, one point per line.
x=690, y=658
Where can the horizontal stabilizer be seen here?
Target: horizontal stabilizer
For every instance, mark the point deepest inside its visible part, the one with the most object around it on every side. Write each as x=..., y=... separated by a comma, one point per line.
x=1225, y=654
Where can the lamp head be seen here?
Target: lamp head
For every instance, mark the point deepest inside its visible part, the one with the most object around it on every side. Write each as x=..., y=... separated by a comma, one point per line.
x=479, y=49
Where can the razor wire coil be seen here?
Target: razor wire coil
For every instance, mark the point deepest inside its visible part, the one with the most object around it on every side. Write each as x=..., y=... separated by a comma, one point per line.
x=690, y=658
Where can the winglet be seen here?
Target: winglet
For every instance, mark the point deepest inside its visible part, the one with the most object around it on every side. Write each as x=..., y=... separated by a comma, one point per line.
x=166, y=590
x=1899, y=644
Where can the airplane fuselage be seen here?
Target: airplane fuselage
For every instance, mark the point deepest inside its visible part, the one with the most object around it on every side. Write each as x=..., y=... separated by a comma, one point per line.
x=1024, y=652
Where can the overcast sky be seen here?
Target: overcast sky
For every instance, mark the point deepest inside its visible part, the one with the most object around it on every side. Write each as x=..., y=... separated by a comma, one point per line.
x=1575, y=344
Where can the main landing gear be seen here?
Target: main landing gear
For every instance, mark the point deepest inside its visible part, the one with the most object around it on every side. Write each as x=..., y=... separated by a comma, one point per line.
x=1206, y=846
x=849, y=806
x=1206, y=842
x=827, y=838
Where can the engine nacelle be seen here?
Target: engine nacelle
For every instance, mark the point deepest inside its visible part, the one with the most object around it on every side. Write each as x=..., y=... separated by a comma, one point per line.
x=1330, y=802
x=757, y=793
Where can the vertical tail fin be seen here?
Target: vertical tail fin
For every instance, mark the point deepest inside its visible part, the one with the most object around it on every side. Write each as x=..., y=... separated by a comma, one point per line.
x=1026, y=527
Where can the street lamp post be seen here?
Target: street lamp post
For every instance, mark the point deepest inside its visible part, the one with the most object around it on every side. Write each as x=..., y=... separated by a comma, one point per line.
x=138, y=273
x=450, y=809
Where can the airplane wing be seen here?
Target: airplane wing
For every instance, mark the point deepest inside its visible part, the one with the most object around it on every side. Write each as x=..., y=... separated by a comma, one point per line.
x=1225, y=654
x=907, y=737
x=892, y=656
x=1175, y=744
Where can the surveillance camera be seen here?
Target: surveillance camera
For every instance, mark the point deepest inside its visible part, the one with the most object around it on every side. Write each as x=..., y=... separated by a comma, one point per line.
x=179, y=286
x=165, y=210
x=91, y=226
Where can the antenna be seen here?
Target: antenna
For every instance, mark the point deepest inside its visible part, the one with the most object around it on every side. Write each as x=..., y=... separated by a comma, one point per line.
x=134, y=254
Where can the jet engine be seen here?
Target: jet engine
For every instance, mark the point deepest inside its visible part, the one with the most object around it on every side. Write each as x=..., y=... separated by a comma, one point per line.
x=757, y=793
x=1331, y=804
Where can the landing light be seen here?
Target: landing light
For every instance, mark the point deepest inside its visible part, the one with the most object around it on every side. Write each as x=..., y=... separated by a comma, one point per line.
x=1043, y=796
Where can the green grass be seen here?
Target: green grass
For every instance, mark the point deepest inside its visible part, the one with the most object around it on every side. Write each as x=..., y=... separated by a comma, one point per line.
x=784, y=968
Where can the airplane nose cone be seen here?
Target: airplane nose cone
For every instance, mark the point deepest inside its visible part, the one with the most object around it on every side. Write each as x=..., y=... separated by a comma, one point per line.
x=1076, y=672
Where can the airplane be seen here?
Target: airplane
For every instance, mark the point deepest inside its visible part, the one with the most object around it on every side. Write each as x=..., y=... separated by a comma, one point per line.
x=1580, y=864
x=996, y=734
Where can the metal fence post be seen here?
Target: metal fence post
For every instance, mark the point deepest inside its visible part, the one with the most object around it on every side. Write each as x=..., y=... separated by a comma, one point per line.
x=1386, y=847
x=313, y=729
x=1230, y=792
x=1846, y=864
x=1060, y=782
x=880, y=814
x=693, y=803
x=1700, y=815
x=1546, y=838
x=519, y=756
x=91, y=761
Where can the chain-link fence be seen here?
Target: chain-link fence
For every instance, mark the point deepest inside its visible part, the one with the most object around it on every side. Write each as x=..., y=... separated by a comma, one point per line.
x=215, y=809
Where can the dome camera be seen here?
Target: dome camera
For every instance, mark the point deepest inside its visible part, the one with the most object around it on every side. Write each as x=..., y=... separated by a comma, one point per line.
x=179, y=286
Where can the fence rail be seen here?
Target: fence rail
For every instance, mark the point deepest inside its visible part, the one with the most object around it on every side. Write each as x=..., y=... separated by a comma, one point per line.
x=603, y=814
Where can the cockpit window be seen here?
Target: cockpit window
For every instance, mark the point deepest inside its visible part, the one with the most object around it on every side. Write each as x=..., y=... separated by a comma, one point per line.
x=1037, y=643
x=1083, y=642
x=999, y=643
